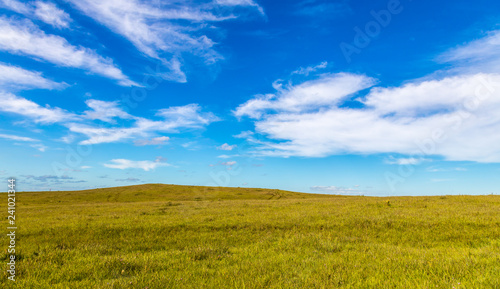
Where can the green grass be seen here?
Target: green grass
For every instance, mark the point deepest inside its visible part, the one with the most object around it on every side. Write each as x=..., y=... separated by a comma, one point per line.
x=164, y=236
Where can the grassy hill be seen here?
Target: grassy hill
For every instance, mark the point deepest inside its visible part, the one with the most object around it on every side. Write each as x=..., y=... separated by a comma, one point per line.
x=166, y=236
x=160, y=192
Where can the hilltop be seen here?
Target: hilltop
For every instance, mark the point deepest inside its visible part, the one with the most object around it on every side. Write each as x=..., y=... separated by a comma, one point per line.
x=162, y=192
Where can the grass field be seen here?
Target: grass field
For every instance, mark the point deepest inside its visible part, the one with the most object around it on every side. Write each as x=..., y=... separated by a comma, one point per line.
x=165, y=236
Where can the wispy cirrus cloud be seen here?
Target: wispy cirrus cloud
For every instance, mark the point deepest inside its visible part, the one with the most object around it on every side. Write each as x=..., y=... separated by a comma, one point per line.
x=164, y=30
x=106, y=111
x=309, y=69
x=123, y=164
x=51, y=181
x=39, y=147
x=15, y=6
x=161, y=140
x=30, y=110
x=46, y=178
x=228, y=163
x=243, y=3
x=98, y=135
x=130, y=179
x=17, y=138
x=226, y=147
x=406, y=161
x=480, y=55
x=31, y=142
x=14, y=77
x=171, y=120
x=440, y=169
x=25, y=38
x=188, y=116
x=227, y=156
x=47, y=12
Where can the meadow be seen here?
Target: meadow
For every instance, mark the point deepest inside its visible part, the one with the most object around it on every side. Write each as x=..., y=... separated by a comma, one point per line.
x=166, y=236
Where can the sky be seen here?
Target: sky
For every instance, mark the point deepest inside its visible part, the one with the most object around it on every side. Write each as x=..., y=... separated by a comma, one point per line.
x=375, y=98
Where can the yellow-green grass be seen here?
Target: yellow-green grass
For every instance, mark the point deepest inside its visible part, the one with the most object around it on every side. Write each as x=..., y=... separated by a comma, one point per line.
x=165, y=236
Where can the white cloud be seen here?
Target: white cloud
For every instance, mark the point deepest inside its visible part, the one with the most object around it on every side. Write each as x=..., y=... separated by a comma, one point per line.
x=46, y=178
x=481, y=55
x=154, y=141
x=23, y=37
x=427, y=97
x=123, y=164
x=39, y=147
x=187, y=116
x=85, y=167
x=244, y=134
x=17, y=138
x=229, y=163
x=45, y=11
x=105, y=111
x=406, y=161
x=189, y=145
x=49, y=13
x=16, y=6
x=250, y=3
x=14, y=77
x=173, y=119
x=21, y=106
x=227, y=156
x=327, y=90
x=160, y=159
x=130, y=179
x=437, y=169
x=335, y=190
x=307, y=70
x=226, y=147
x=97, y=135
x=455, y=117
x=68, y=138
x=34, y=143
x=164, y=31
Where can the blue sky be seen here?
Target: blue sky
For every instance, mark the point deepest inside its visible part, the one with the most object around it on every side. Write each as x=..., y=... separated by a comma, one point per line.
x=344, y=97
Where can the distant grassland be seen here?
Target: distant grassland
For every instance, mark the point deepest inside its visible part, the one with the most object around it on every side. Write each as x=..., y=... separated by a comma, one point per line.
x=165, y=236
